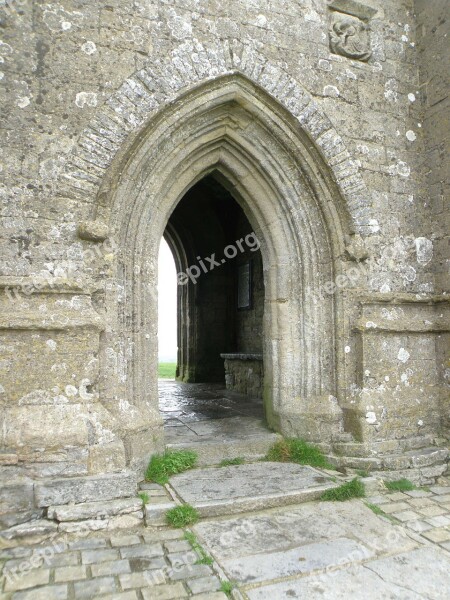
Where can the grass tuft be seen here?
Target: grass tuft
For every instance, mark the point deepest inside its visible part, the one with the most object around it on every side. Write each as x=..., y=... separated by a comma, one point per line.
x=144, y=497
x=346, y=491
x=298, y=451
x=227, y=587
x=182, y=516
x=162, y=466
x=227, y=462
x=203, y=556
x=400, y=485
x=375, y=509
x=362, y=473
x=380, y=512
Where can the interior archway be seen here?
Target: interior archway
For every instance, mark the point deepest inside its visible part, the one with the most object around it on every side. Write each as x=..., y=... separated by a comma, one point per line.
x=234, y=130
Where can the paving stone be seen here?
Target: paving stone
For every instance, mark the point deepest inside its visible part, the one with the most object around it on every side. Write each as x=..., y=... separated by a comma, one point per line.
x=432, y=511
x=395, y=507
x=90, y=557
x=397, y=497
x=91, y=588
x=63, y=559
x=421, y=502
x=125, y=540
x=412, y=571
x=210, y=596
x=183, y=558
x=288, y=527
x=27, y=580
x=130, y=595
x=418, y=526
x=142, y=551
x=143, y=579
x=70, y=573
x=24, y=564
x=442, y=499
x=171, y=591
x=445, y=545
x=88, y=544
x=377, y=500
x=406, y=515
x=355, y=582
x=19, y=552
x=177, y=546
x=189, y=571
x=145, y=564
x=437, y=535
x=304, y=559
x=110, y=568
x=204, y=584
x=418, y=493
x=49, y=592
x=161, y=535
x=440, y=521
x=440, y=490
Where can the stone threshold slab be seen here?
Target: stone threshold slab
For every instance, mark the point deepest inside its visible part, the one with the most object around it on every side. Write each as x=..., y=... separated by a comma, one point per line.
x=213, y=452
x=217, y=491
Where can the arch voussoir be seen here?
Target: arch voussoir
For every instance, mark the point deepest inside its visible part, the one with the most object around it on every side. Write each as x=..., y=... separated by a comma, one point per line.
x=147, y=91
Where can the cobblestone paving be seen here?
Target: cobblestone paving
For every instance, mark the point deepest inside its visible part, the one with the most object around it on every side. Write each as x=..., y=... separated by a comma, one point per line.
x=426, y=512
x=125, y=566
x=151, y=564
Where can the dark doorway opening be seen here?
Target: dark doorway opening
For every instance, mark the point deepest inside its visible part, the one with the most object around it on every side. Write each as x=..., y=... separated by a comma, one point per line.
x=220, y=283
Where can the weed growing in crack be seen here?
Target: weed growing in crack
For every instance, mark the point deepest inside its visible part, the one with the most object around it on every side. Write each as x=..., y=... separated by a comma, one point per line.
x=346, y=491
x=182, y=516
x=162, y=466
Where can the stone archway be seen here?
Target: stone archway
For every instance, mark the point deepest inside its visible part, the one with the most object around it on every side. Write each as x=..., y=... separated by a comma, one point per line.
x=254, y=147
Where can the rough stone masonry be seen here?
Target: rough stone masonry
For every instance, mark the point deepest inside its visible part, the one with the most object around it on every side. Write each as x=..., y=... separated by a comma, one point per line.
x=328, y=123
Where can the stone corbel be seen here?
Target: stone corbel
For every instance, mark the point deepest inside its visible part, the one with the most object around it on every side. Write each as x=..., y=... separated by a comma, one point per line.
x=93, y=231
x=355, y=248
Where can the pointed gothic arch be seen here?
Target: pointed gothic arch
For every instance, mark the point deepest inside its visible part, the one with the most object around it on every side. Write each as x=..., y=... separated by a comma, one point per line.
x=233, y=130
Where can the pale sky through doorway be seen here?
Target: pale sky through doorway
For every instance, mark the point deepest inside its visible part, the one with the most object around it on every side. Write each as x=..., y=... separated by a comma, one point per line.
x=167, y=305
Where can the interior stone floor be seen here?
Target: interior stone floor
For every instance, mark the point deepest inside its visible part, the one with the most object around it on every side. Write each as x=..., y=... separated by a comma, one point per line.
x=214, y=421
x=182, y=404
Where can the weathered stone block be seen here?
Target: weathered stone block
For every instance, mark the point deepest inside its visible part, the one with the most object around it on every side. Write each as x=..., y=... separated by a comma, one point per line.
x=107, y=458
x=40, y=527
x=85, y=489
x=93, y=231
x=8, y=458
x=14, y=499
x=94, y=510
x=31, y=426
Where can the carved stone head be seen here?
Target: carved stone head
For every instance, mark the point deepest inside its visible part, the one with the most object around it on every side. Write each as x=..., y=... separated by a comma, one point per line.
x=349, y=36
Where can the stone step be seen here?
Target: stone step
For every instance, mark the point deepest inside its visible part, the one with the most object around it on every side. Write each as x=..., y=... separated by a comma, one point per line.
x=212, y=453
x=216, y=491
x=418, y=476
x=405, y=461
x=381, y=447
x=30, y=532
x=94, y=510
